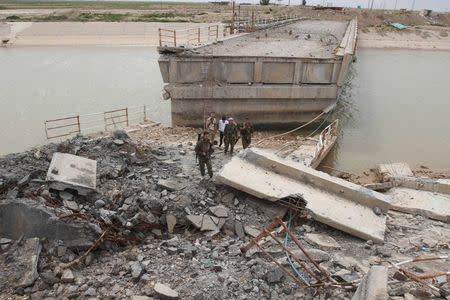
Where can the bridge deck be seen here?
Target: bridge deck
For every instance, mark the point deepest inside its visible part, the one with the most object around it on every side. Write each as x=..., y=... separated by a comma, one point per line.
x=307, y=38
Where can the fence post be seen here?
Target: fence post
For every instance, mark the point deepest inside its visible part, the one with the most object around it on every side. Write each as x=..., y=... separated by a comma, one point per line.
x=145, y=113
x=78, y=121
x=159, y=34
x=46, y=132
x=174, y=38
x=126, y=113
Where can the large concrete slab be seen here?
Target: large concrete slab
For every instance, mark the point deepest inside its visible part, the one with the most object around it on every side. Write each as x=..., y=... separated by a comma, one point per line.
x=25, y=218
x=69, y=171
x=428, y=204
x=332, y=201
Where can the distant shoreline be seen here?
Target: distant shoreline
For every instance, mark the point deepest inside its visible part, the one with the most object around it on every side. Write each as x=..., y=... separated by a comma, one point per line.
x=146, y=34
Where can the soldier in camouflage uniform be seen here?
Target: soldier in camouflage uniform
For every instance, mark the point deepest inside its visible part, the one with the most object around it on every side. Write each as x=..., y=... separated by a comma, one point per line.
x=230, y=135
x=203, y=151
x=246, y=133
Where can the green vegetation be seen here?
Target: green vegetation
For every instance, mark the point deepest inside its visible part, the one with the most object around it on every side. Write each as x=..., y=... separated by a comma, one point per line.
x=52, y=18
x=12, y=18
x=99, y=17
x=91, y=4
x=104, y=17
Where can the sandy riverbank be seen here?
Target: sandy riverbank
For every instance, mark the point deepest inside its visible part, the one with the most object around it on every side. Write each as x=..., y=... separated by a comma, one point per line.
x=88, y=34
x=426, y=38
x=146, y=34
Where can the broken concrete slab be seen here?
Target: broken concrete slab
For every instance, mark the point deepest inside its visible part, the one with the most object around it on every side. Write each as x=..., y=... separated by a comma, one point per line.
x=374, y=285
x=206, y=222
x=19, y=264
x=428, y=204
x=72, y=172
x=209, y=223
x=165, y=292
x=195, y=220
x=239, y=229
x=322, y=241
x=387, y=171
x=72, y=205
x=171, y=184
x=251, y=231
x=24, y=217
x=330, y=200
x=67, y=276
x=219, y=211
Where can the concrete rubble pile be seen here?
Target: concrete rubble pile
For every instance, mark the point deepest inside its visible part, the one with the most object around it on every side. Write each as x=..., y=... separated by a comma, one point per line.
x=147, y=226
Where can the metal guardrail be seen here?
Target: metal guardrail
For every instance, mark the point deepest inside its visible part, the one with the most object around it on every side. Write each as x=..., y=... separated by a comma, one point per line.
x=116, y=117
x=62, y=127
x=325, y=137
x=95, y=122
x=252, y=23
x=190, y=36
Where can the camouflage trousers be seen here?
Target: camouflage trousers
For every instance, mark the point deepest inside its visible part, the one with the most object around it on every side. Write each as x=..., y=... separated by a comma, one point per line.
x=202, y=161
x=229, y=144
x=246, y=140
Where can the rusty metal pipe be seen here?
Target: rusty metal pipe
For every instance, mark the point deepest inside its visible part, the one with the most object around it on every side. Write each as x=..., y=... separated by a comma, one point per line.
x=296, y=280
x=297, y=242
x=297, y=260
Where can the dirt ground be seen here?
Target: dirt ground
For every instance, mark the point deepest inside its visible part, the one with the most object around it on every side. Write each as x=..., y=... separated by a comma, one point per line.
x=168, y=136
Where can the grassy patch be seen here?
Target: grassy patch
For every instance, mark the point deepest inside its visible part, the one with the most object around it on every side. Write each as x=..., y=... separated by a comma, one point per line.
x=97, y=17
x=90, y=4
x=52, y=18
x=12, y=18
x=159, y=15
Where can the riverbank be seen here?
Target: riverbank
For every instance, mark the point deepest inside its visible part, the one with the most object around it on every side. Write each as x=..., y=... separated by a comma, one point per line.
x=420, y=37
x=146, y=34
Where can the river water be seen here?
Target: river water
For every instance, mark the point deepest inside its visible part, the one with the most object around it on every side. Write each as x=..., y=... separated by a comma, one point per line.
x=396, y=107
x=42, y=83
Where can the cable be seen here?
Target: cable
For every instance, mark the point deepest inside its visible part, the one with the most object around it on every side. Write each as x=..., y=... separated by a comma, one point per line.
x=309, y=135
x=291, y=263
x=290, y=131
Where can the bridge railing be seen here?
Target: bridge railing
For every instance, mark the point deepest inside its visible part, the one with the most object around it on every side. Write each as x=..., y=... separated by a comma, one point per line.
x=62, y=127
x=95, y=122
x=188, y=37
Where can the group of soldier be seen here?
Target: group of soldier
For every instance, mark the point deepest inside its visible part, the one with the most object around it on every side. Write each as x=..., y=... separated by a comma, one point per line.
x=230, y=133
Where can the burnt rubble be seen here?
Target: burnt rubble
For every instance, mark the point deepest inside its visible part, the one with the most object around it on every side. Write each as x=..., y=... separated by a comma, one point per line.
x=153, y=228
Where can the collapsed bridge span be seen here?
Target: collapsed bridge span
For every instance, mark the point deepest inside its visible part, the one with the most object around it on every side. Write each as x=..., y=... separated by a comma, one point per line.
x=277, y=76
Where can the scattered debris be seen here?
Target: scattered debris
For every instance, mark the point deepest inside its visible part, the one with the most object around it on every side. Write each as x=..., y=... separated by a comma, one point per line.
x=131, y=232
x=398, y=26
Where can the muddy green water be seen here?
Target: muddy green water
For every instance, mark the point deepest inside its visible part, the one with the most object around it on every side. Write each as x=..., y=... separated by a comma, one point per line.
x=396, y=108
x=41, y=83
